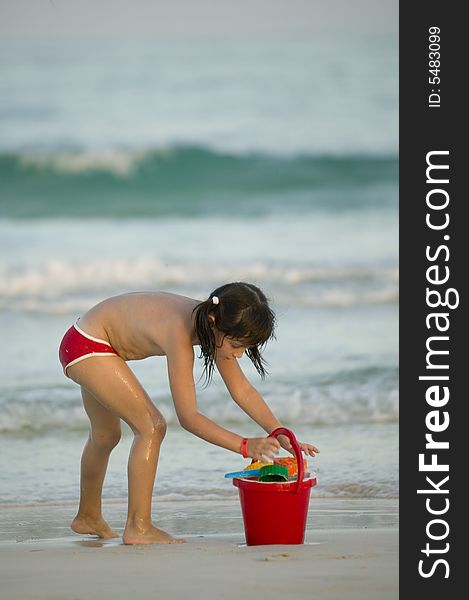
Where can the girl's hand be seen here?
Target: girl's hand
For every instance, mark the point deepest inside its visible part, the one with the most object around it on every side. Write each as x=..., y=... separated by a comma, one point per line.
x=308, y=449
x=261, y=448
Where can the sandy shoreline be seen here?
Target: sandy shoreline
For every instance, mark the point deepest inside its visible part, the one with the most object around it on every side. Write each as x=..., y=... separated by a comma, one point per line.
x=350, y=552
x=347, y=564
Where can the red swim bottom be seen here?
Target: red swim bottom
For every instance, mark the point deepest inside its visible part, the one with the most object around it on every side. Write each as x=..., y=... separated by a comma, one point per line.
x=77, y=345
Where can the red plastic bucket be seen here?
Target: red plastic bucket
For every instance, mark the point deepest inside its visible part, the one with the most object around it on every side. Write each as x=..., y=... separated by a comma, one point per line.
x=275, y=513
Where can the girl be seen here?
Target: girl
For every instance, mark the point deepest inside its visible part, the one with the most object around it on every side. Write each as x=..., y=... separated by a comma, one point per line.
x=236, y=318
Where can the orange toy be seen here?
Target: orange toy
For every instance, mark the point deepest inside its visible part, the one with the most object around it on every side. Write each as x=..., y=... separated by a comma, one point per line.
x=291, y=464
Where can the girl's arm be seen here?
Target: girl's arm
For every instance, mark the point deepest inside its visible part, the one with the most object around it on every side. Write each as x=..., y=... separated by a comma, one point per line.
x=246, y=396
x=180, y=359
x=249, y=399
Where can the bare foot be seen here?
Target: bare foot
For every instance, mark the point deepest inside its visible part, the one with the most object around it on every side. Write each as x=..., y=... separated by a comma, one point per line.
x=152, y=535
x=97, y=527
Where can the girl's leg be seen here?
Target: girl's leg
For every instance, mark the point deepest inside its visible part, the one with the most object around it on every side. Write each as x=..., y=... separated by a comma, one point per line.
x=116, y=388
x=104, y=435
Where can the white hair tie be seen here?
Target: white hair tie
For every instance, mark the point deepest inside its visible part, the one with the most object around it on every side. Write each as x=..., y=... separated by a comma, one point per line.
x=215, y=299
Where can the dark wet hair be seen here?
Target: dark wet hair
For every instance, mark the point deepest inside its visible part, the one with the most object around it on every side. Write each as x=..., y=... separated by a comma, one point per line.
x=243, y=314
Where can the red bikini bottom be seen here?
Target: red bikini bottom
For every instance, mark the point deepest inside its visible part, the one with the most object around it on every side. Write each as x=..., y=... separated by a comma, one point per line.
x=77, y=345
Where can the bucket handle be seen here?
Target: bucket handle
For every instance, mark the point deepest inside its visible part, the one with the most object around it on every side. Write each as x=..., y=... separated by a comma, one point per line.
x=296, y=448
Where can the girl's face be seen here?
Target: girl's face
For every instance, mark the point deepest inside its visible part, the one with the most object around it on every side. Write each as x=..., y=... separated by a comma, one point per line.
x=228, y=348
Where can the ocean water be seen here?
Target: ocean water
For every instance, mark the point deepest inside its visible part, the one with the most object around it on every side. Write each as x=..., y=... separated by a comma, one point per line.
x=180, y=168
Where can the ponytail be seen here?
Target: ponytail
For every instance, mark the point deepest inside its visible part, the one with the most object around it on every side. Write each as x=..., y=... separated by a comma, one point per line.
x=206, y=337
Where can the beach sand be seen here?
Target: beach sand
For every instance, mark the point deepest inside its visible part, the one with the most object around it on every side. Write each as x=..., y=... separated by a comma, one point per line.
x=351, y=561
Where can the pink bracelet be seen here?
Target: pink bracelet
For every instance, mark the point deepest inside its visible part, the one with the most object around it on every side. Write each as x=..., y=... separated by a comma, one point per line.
x=244, y=448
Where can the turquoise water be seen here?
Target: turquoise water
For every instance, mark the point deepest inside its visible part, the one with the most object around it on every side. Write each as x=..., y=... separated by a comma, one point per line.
x=180, y=168
x=190, y=182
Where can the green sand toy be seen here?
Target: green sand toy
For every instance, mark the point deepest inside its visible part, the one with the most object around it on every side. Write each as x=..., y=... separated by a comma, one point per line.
x=273, y=473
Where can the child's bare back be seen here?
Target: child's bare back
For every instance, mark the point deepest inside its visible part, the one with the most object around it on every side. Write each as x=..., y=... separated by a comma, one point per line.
x=139, y=324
